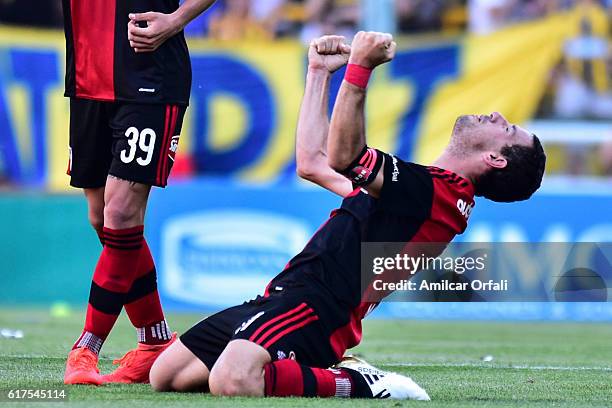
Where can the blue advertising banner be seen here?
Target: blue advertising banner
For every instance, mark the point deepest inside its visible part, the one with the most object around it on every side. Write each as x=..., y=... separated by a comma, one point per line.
x=219, y=243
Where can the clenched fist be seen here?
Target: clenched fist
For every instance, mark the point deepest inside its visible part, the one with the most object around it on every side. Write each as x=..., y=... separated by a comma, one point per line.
x=371, y=49
x=328, y=53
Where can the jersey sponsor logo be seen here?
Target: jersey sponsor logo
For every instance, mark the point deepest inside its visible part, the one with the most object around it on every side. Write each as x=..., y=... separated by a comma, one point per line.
x=395, y=175
x=465, y=208
x=246, y=324
x=147, y=90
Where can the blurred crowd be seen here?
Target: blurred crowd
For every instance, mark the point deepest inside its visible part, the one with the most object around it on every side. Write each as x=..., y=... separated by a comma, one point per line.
x=253, y=19
x=580, y=86
x=256, y=19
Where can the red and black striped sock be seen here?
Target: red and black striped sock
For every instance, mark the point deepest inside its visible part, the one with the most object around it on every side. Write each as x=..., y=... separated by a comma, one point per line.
x=142, y=303
x=288, y=378
x=111, y=281
x=100, y=234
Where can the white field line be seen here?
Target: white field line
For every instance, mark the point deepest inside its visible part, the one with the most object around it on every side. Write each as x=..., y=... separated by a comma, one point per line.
x=440, y=365
x=485, y=365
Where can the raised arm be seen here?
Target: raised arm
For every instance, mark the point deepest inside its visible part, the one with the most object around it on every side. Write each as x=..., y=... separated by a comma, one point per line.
x=325, y=55
x=159, y=26
x=347, y=150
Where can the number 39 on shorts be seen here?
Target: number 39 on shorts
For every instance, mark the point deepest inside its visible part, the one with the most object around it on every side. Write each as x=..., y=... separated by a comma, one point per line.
x=141, y=146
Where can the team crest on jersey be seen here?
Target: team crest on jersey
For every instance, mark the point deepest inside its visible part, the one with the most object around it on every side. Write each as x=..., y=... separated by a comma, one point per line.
x=359, y=174
x=281, y=355
x=173, y=146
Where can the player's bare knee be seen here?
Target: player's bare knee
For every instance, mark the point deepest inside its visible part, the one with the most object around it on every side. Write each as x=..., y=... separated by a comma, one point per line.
x=226, y=386
x=163, y=376
x=159, y=377
x=239, y=370
x=178, y=384
x=216, y=382
x=96, y=220
x=233, y=383
x=95, y=207
x=125, y=203
x=122, y=214
x=96, y=216
x=165, y=380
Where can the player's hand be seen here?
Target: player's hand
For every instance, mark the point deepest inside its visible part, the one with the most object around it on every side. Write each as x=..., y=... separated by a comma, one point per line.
x=329, y=53
x=371, y=49
x=159, y=27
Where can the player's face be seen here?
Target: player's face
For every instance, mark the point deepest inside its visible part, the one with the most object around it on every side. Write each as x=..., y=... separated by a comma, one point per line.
x=489, y=132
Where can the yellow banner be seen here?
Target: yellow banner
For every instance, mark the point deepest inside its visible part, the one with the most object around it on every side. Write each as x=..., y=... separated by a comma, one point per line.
x=246, y=96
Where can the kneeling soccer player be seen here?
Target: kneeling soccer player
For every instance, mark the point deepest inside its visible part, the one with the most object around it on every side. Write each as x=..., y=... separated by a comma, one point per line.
x=283, y=343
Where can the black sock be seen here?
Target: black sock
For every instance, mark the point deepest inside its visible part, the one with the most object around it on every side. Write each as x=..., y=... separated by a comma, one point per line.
x=361, y=389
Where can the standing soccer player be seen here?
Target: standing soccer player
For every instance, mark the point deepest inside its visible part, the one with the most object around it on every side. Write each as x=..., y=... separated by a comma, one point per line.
x=128, y=76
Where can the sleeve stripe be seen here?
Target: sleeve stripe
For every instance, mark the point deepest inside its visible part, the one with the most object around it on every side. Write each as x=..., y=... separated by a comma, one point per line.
x=369, y=159
x=365, y=157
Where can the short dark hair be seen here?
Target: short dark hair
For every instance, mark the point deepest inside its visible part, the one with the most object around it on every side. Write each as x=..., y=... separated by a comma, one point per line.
x=521, y=177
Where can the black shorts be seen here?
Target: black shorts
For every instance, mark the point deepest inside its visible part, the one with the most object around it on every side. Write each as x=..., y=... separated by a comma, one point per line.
x=135, y=142
x=295, y=324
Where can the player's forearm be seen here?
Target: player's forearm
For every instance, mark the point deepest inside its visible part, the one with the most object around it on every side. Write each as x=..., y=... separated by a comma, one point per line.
x=347, y=128
x=189, y=10
x=313, y=124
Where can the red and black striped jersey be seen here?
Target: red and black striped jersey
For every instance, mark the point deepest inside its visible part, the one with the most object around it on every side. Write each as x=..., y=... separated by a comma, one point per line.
x=417, y=204
x=101, y=65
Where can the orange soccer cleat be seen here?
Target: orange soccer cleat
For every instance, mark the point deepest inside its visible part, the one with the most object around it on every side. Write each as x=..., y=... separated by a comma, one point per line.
x=82, y=368
x=135, y=365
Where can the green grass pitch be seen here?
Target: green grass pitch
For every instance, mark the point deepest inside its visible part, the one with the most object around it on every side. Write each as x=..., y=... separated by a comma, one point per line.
x=534, y=364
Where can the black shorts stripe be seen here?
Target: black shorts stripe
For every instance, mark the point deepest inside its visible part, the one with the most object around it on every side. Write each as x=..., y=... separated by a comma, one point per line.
x=106, y=301
x=310, y=343
x=142, y=286
x=159, y=178
x=281, y=326
x=281, y=321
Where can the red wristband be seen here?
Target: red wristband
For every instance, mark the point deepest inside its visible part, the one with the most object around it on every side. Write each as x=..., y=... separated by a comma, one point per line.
x=357, y=75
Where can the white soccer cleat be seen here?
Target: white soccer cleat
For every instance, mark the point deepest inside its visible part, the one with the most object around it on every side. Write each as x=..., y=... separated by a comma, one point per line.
x=385, y=384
